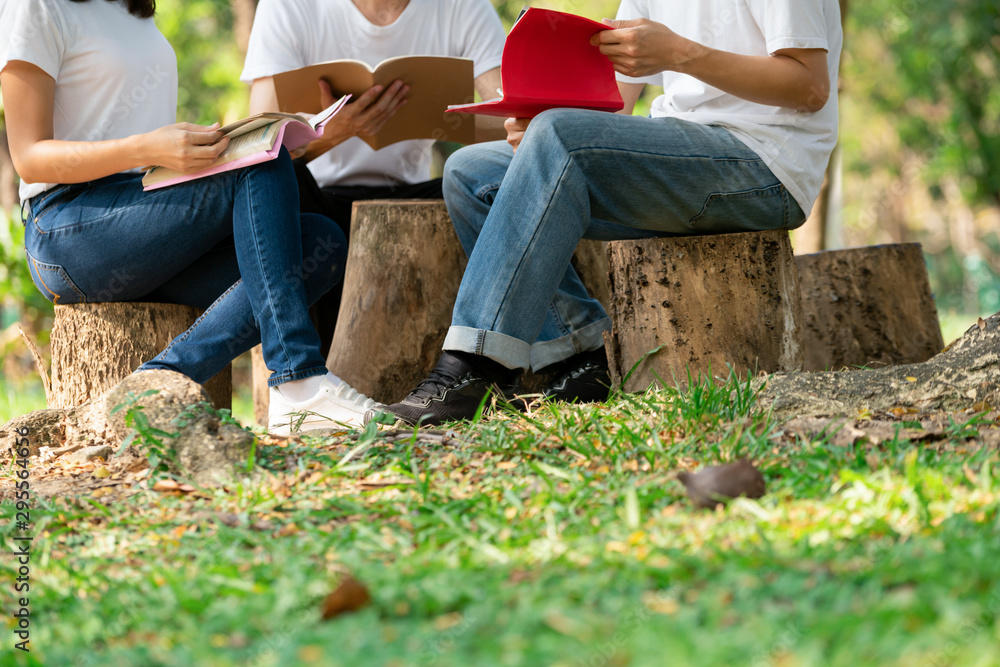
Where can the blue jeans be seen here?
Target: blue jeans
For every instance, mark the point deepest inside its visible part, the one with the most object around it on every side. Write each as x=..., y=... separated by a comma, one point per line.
x=233, y=245
x=586, y=174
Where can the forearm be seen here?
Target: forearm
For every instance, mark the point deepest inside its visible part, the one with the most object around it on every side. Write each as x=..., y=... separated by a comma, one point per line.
x=795, y=78
x=775, y=80
x=54, y=161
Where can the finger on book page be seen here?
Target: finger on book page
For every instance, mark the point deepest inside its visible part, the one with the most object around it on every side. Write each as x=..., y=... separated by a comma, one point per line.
x=205, y=138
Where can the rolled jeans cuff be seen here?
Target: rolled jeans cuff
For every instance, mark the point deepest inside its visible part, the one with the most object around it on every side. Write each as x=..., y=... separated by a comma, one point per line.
x=501, y=348
x=291, y=376
x=546, y=353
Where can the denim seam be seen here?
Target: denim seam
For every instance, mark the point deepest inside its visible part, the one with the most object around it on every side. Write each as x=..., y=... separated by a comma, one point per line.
x=257, y=245
x=481, y=192
x=480, y=341
x=756, y=193
x=559, y=181
x=291, y=376
x=184, y=336
x=61, y=271
x=630, y=151
x=557, y=318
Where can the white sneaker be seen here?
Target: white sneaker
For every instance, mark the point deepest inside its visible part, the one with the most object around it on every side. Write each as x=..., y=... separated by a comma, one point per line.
x=334, y=406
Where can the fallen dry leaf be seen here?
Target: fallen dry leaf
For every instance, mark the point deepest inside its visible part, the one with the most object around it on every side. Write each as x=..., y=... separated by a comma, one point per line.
x=166, y=485
x=102, y=472
x=982, y=324
x=349, y=596
x=714, y=485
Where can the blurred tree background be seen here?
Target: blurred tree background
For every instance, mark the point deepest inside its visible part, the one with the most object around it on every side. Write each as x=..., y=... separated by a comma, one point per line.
x=919, y=157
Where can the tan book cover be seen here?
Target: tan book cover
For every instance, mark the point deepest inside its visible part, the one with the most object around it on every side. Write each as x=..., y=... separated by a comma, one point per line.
x=435, y=82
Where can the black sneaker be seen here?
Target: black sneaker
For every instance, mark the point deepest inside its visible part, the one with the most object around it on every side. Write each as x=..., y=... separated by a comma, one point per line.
x=455, y=389
x=583, y=378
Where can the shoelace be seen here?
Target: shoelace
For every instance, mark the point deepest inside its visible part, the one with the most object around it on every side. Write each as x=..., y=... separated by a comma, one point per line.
x=351, y=394
x=444, y=374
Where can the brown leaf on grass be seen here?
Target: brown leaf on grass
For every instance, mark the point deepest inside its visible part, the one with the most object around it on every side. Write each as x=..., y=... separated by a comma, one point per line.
x=349, y=596
x=165, y=485
x=714, y=485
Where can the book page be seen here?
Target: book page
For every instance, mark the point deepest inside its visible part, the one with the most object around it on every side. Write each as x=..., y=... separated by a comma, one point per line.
x=435, y=82
x=242, y=145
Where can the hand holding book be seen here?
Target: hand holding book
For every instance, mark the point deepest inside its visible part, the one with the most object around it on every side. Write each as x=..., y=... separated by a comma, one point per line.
x=364, y=117
x=250, y=141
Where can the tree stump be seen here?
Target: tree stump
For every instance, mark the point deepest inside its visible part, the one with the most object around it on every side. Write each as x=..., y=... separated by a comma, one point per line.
x=259, y=375
x=96, y=345
x=403, y=271
x=864, y=306
x=707, y=302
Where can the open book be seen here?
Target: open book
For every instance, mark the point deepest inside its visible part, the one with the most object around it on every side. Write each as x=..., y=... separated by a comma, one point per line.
x=548, y=63
x=252, y=140
x=434, y=81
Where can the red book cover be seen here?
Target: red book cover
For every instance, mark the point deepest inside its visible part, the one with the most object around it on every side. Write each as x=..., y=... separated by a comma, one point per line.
x=548, y=63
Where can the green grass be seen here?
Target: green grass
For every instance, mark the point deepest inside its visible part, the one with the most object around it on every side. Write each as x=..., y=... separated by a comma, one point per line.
x=20, y=397
x=560, y=538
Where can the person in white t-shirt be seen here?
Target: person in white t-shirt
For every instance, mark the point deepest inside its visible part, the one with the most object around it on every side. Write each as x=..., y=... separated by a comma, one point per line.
x=90, y=94
x=738, y=141
x=289, y=34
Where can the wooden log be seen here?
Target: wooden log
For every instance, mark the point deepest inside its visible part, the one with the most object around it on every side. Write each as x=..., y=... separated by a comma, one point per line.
x=259, y=375
x=867, y=306
x=404, y=266
x=403, y=271
x=590, y=262
x=96, y=345
x=709, y=301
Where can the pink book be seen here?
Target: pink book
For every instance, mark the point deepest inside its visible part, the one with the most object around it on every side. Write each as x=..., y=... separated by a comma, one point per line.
x=252, y=140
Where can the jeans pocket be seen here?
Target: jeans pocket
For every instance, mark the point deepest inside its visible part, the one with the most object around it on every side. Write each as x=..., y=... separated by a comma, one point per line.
x=54, y=283
x=748, y=210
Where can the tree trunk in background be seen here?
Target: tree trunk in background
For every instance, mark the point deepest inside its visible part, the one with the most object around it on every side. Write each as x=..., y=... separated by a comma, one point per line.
x=865, y=306
x=812, y=236
x=243, y=12
x=8, y=178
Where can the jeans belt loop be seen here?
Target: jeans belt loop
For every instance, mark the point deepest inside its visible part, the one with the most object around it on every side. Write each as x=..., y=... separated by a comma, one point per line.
x=24, y=218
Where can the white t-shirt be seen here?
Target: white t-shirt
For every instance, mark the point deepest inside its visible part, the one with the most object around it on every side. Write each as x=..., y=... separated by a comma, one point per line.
x=288, y=34
x=795, y=145
x=115, y=74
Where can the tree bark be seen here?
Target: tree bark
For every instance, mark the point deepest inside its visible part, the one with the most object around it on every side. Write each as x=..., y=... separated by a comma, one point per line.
x=707, y=302
x=865, y=306
x=261, y=395
x=95, y=346
x=964, y=376
x=403, y=273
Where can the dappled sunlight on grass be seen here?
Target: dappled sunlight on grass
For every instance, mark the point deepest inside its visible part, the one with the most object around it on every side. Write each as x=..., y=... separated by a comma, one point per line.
x=560, y=537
